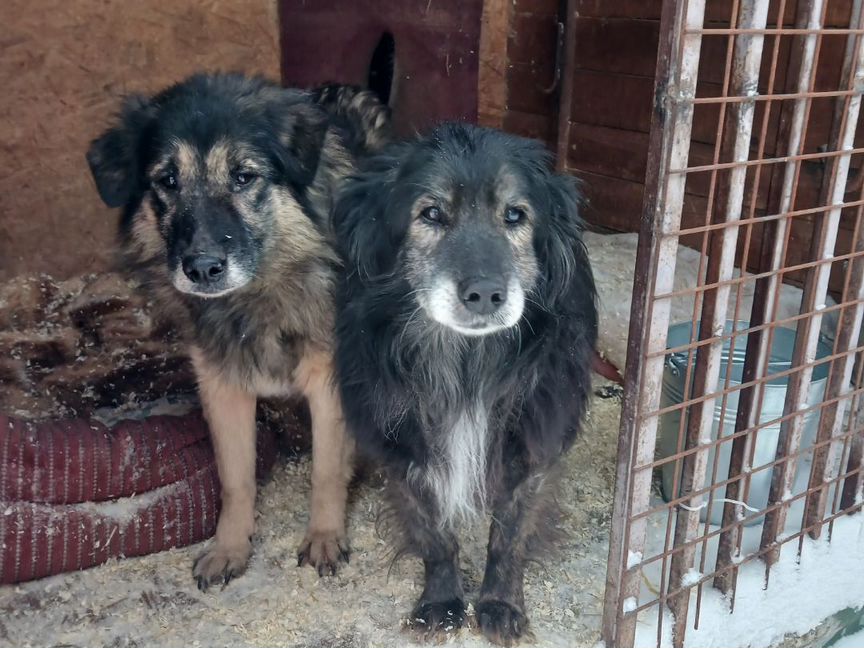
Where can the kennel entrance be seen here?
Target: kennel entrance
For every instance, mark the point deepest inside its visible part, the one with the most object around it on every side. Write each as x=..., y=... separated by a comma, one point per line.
x=777, y=193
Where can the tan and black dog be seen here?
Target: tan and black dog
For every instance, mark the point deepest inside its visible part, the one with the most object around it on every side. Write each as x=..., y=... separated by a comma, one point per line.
x=226, y=184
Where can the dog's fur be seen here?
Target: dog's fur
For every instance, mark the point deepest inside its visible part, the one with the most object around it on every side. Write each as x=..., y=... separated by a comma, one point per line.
x=467, y=411
x=239, y=174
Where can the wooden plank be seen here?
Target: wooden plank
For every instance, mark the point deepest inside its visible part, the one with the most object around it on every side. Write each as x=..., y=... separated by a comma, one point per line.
x=493, y=59
x=547, y=7
x=649, y=9
x=621, y=153
x=622, y=46
x=608, y=151
x=540, y=127
x=612, y=100
x=533, y=39
x=625, y=102
x=613, y=201
x=627, y=46
x=527, y=84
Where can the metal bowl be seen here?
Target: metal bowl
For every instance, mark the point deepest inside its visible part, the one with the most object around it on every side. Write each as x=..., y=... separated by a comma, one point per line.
x=766, y=438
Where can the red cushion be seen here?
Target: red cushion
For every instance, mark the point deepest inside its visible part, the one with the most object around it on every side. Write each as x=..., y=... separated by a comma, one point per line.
x=76, y=493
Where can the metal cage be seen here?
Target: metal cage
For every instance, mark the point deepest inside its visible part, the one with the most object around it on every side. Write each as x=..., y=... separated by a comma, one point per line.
x=752, y=212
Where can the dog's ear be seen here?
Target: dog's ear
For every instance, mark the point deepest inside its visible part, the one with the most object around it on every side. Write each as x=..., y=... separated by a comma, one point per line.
x=302, y=131
x=367, y=239
x=113, y=157
x=560, y=244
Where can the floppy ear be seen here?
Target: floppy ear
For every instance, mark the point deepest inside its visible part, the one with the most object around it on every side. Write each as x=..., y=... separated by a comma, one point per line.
x=560, y=244
x=113, y=157
x=302, y=137
x=367, y=240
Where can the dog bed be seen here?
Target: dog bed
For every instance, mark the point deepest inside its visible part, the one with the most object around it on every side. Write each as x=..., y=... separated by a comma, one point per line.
x=76, y=493
x=80, y=481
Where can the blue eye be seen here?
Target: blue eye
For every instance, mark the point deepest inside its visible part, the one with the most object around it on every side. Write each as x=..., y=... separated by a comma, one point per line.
x=242, y=178
x=514, y=215
x=432, y=214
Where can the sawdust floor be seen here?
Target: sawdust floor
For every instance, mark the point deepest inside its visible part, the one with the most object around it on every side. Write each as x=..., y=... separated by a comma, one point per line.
x=152, y=601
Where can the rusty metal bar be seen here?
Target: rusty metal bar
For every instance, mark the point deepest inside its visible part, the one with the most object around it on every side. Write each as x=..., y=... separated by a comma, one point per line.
x=675, y=85
x=853, y=485
x=760, y=275
x=775, y=323
x=813, y=94
x=760, y=161
x=758, y=382
x=825, y=458
x=747, y=58
x=851, y=472
x=851, y=495
x=721, y=147
x=815, y=291
x=756, y=554
x=782, y=31
x=765, y=219
x=831, y=421
x=674, y=502
x=758, y=345
x=751, y=216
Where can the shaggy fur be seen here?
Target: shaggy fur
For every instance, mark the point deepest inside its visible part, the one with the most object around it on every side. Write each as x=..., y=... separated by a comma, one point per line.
x=226, y=184
x=466, y=322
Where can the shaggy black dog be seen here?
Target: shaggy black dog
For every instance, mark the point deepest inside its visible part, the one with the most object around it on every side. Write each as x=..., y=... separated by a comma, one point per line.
x=465, y=329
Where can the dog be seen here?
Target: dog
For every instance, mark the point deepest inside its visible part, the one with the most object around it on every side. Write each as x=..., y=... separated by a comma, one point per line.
x=466, y=323
x=226, y=185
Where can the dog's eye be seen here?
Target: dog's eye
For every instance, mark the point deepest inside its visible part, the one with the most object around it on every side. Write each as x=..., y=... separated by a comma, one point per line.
x=169, y=181
x=514, y=215
x=432, y=214
x=243, y=178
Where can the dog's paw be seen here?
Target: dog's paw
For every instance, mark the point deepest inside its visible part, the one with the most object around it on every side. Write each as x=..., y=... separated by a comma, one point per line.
x=501, y=623
x=219, y=564
x=435, y=617
x=323, y=551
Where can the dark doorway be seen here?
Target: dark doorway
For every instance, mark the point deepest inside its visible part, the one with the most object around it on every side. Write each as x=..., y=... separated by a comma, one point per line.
x=382, y=66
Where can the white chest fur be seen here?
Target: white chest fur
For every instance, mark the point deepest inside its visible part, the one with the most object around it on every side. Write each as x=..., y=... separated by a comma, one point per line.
x=265, y=387
x=456, y=475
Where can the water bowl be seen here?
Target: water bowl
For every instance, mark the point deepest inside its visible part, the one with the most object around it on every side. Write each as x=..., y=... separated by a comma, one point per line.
x=674, y=376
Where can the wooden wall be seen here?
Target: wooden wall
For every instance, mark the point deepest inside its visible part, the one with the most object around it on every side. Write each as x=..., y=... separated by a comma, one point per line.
x=435, y=60
x=532, y=97
x=65, y=64
x=613, y=81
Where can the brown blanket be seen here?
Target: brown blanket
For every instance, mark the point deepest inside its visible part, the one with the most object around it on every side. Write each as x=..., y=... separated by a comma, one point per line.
x=75, y=491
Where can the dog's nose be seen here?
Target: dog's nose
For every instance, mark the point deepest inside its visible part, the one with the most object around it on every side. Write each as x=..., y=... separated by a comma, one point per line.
x=483, y=296
x=203, y=269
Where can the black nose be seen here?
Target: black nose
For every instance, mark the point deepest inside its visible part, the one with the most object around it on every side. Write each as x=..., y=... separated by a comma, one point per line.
x=203, y=269
x=482, y=296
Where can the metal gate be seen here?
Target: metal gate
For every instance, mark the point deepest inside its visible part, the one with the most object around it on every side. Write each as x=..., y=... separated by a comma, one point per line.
x=732, y=231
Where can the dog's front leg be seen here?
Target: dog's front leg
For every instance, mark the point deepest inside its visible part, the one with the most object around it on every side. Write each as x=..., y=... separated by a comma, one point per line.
x=230, y=413
x=441, y=606
x=520, y=519
x=325, y=544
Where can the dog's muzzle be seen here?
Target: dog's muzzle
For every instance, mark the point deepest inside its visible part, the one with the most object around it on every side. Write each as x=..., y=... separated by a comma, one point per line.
x=475, y=306
x=207, y=275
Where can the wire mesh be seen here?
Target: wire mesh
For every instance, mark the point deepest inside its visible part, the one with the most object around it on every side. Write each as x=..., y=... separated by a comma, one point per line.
x=741, y=430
